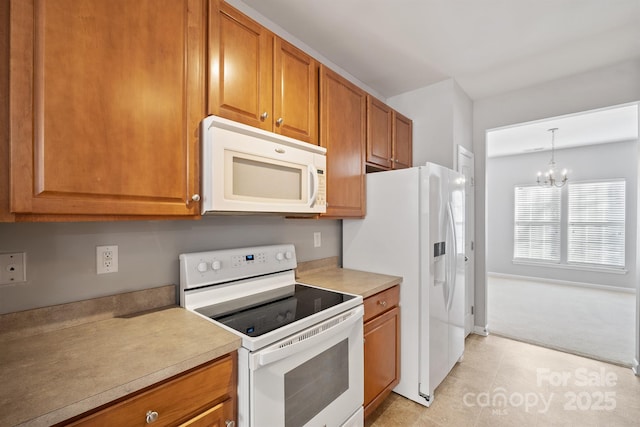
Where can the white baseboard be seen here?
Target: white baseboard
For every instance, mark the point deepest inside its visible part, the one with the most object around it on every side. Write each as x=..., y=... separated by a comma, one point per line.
x=636, y=367
x=481, y=330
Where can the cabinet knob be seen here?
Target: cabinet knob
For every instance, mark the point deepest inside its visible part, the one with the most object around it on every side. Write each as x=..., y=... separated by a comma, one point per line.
x=152, y=416
x=279, y=121
x=230, y=423
x=264, y=116
x=382, y=303
x=195, y=198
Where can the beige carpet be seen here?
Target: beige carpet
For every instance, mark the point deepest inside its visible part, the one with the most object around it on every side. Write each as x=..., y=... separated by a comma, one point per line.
x=585, y=321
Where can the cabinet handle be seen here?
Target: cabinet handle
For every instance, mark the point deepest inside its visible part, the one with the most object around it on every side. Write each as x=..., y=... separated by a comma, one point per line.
x=264, y=116
x=382, y=303
x=152, y=416
x=279, y=121
x=230, y=423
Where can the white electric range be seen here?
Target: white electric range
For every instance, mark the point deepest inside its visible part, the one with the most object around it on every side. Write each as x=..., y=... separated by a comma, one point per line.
x=301, y=360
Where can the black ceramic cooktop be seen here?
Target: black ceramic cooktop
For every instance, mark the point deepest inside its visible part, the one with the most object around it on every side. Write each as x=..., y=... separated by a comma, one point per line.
x=258, y=314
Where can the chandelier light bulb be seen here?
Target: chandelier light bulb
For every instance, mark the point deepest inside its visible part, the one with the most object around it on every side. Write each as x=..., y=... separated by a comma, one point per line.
x=549, y=179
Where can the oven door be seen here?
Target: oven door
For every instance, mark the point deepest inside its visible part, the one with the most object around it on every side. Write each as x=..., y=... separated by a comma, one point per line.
x=313, y=378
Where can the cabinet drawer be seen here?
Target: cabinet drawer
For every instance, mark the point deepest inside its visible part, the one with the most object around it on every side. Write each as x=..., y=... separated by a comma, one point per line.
x=174, y=401
x=381, y=302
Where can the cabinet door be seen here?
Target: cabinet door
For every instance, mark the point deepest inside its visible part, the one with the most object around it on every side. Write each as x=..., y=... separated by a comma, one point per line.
x=5, y=214
x=402, y=141
x=343, y=108
x=379, y=132
x=381, y=358
x=241, y=67
x=295, y=97
x=106, y=99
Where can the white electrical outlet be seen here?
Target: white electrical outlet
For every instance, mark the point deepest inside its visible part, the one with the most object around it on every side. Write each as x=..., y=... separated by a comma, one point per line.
x=317, y=239
x=13, y=268
x=106, y=259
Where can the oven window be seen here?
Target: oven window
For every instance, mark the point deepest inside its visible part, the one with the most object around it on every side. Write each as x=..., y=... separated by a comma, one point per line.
x=253, y=178
x=312, y=386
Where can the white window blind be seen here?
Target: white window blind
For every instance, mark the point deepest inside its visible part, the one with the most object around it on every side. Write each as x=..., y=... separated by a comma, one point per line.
x=537, y=223
x=596, y=233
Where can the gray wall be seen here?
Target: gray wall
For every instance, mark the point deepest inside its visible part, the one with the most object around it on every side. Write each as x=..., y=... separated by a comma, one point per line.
x=617, y=160
x=61, y=257
x=603, y=87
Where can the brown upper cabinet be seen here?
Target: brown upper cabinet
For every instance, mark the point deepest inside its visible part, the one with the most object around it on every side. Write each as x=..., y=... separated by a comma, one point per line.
x=106, y=97
x=258, y=79
x=389, y=137
x=343, y=115
x=402, y=152
x=379, y=133
x=105, y=101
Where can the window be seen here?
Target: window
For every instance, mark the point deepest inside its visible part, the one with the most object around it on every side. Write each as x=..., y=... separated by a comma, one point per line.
x=537, y=224
x=596, y=223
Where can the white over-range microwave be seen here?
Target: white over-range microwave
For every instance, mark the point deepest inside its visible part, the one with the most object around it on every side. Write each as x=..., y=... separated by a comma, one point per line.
x=249, y=170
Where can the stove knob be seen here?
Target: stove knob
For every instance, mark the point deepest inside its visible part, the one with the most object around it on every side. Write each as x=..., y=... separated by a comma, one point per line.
x=289, y=315
x=279, y=256
x=279, y=317
x=215, y=265
x=288, y=255
x=202, y=267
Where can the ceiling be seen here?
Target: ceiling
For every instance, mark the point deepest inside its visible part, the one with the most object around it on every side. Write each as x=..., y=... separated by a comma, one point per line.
x=487, y=46
x=601, y=126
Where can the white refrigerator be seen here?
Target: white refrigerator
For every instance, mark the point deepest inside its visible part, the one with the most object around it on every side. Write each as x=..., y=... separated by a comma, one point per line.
x=414, y=228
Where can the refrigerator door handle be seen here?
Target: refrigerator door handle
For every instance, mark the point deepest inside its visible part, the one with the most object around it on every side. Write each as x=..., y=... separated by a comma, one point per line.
x=453, y=271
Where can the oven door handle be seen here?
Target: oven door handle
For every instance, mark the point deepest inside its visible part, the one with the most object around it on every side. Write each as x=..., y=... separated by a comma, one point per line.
x=309, y=338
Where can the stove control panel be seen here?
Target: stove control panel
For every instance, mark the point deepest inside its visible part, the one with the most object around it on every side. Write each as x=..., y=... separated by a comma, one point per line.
x=212, y=267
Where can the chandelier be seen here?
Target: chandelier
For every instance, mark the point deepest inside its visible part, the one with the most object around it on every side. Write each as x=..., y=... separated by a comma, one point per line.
x=549, y=178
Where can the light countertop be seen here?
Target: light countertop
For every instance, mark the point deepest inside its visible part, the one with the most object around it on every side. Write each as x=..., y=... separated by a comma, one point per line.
x=48, y=377
x=59, y=362
x=347, y=280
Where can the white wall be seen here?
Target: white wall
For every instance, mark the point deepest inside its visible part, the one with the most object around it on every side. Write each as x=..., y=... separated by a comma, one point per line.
x=616, y=84
x=462, y=122
x=61, y=257
x=606, y=161
x=442, y=117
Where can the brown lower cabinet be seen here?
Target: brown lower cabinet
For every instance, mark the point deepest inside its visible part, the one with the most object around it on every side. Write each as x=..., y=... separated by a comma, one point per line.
x=381, y=347
x=204, y=396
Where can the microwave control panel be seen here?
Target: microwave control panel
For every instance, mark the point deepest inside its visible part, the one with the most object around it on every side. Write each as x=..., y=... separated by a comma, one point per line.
x=321, y=199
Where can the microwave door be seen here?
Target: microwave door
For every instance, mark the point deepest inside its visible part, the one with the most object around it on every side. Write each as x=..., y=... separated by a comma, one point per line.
x=250, y=170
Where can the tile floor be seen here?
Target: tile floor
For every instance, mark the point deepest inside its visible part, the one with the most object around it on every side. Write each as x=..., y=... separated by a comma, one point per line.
x=502, y=382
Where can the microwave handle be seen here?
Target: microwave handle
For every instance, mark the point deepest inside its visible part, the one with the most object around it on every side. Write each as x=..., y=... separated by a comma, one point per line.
x=315, y=185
